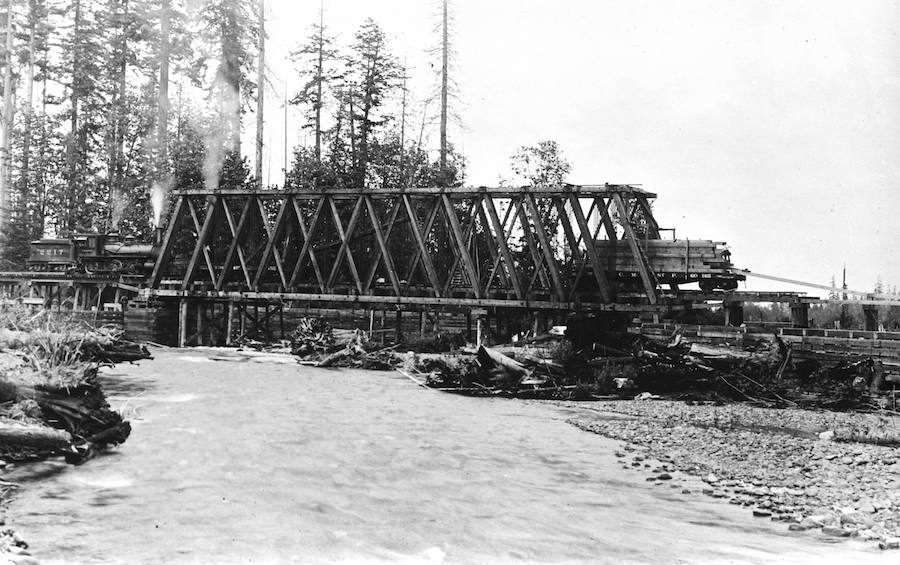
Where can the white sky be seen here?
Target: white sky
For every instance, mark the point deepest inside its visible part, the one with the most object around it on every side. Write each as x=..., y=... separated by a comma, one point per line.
x=774, y=126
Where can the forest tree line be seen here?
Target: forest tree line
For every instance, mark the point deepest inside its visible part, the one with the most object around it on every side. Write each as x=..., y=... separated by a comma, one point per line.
x=110, y=104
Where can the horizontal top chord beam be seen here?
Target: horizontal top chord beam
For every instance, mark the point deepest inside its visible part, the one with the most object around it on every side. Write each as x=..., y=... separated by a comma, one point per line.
x=497, y=192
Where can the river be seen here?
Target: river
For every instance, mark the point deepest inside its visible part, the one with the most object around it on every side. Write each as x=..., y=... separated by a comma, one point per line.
x=254, y=459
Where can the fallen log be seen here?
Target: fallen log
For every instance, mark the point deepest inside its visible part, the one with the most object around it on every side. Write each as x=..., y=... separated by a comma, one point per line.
x=490, y=358
x=35, y=437
x=719, y=352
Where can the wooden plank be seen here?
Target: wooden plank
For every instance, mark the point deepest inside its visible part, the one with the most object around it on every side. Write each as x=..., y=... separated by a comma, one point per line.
x=308, y=233
x=501, y=238
x=455, y=191
x=379, y=253
x=467, y=235
x=345, y=243
x=633, y=243
x=603, y=206
x=270, y=251
x=167, y=243
x=596, y=266
x=492, y=246
x=461, y=246
x=417, y=253
x=420, y=241
x=390, y=301
x=652, y=226
x=382, y=246
x=529, y=242
x=547, y=249
x=200, y=248
x=235, y=247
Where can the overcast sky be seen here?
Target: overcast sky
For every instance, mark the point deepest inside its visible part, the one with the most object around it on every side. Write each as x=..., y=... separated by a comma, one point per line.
x=774, y=126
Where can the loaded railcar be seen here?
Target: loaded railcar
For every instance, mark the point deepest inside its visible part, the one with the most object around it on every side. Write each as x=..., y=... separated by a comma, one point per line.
x=673, y=262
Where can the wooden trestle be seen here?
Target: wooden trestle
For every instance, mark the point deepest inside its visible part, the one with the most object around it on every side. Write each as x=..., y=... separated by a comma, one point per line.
x=530, y=248
x=58, y=291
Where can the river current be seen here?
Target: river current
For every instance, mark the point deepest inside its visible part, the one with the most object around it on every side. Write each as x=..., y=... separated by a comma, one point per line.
x=249, y=458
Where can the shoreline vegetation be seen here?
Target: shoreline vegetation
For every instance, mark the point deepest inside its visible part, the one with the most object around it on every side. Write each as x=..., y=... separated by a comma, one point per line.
x=51, y=404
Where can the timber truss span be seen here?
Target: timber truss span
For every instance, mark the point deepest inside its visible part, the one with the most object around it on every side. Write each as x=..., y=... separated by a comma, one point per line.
x=532, y=248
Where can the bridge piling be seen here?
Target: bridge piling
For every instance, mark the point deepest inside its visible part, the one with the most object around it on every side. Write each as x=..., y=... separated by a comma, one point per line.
x=800, y=314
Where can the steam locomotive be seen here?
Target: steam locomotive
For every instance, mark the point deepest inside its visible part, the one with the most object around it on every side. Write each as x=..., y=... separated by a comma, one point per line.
x=92, y=254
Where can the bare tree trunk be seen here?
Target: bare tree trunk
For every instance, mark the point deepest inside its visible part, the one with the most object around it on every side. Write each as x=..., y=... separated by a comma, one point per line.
x=403, y=127
x=319, y=73
x=71, y=142
x=231, y=73
x=7, y=123
x=261, y=89
x=119, y=170
x=354, y=160
x=29, y=118
x=40, y=220
x=116, y=138
x=444, y=70
x=162, y=121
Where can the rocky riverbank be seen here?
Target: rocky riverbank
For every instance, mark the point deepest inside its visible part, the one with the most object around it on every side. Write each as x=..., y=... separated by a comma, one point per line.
x=783, y=464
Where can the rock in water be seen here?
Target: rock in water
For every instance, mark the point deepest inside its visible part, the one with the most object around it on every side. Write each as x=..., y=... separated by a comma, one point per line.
x=889, y=543
x=835, y=531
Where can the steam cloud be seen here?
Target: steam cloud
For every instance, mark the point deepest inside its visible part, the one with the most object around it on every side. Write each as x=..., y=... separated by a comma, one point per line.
x=221, y=136
x=157, y=200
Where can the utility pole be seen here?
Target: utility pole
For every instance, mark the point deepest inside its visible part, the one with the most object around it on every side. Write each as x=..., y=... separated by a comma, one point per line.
x=260, y=94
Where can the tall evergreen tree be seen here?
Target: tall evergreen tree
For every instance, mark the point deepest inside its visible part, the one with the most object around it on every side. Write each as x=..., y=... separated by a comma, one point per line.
x=316, y=62
x=373, y=72
x=229, y=26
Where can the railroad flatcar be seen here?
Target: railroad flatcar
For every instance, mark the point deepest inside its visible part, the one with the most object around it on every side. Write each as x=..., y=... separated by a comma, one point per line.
x=673, y=261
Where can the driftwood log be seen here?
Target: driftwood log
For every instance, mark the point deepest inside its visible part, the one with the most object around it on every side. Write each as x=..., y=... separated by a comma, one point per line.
x=81, y=420
x=489, y=358
x=35, y=437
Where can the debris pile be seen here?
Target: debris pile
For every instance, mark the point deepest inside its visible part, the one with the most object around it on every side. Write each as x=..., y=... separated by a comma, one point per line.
x=616, y=365
x=50, y=401
x=316, y=343
x=312, y=336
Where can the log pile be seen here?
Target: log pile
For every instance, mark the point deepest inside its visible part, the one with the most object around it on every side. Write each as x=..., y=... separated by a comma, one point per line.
x=628, y=366
x=613, y=364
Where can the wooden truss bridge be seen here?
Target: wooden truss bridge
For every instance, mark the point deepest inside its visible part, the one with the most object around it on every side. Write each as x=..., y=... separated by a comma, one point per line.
x=532, y=248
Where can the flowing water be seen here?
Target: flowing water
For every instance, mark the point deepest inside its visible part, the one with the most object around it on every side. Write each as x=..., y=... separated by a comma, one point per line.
x=255, y=459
